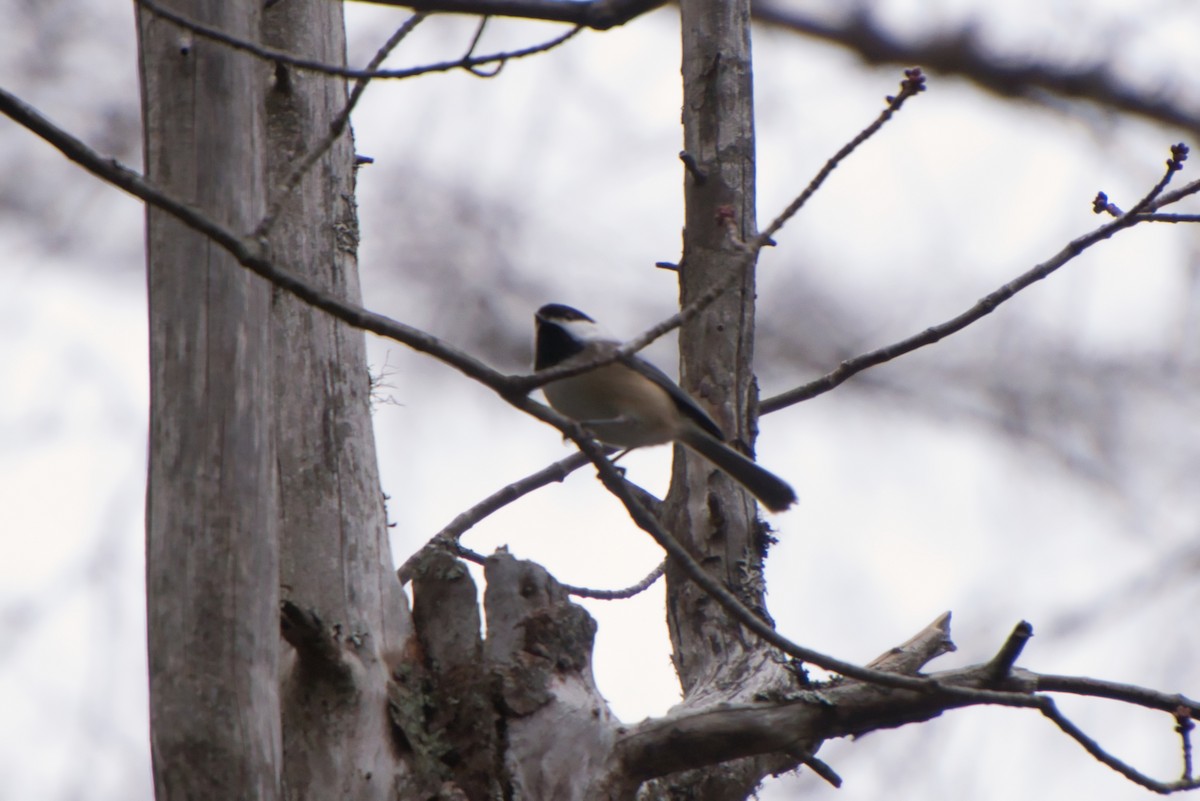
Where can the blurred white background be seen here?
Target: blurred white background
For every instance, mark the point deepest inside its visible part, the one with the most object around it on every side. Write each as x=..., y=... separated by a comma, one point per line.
x=1041, y=465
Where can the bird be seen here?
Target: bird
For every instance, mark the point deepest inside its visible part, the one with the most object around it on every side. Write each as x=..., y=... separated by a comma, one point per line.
x=630, y=403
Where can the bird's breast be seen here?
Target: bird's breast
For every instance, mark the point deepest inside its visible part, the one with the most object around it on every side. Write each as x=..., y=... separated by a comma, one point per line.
x=625, y=408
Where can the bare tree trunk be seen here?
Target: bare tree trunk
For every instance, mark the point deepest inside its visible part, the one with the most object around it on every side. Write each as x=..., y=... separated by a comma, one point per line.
x=262, y=458
x=716, y=659
x=350, y=618
x=211, y=517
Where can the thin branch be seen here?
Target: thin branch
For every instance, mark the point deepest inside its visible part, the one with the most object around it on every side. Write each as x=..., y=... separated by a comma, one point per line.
x=283, y=57
x=619, y=595
x=1179, y=154
x=317, y=646
x=963, y=54
x=1184, y=725
x=1051, y=711
x=913, y=83
x=598, y=15
x=1002, y=663
x=822, y=769
x=981, y=309
x=250, y=253
x=478, y=73
x=336, y=127
x=1169, y=218
x=489, y=505
x=1170, y=703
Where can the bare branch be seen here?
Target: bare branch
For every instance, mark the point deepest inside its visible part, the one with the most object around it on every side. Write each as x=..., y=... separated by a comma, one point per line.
x=617, y=595
x=494, y=502
x=981, y=309
x=249, y=252
x=691, y=737
x=1050, y=710
x=1170, y=703
x=596, y=14
x=336, y=127
x=956, y=53
x=1002, y=663
x=1179, y=154
x=1170, y=218
x=961, y=53
x=318, y=647
x=1184, y=725
x=920, y=649
x=283, y=57
x=913, y=83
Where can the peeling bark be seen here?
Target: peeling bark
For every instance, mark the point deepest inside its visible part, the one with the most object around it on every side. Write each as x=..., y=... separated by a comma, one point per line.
x=559, y=730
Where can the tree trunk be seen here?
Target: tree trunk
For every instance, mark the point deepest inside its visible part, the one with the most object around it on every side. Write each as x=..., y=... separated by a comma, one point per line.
x=211, y=511
x=263, y=471
x=351, y=619
x=714, y=518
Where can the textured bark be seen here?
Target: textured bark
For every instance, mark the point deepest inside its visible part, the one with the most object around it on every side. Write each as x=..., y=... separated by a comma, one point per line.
x=335, y=562
x=262, y=464
x=460, y=722
x=559, y=730
x=715, y=658
x=211, y=518
x=520, y=716
x=714, y=518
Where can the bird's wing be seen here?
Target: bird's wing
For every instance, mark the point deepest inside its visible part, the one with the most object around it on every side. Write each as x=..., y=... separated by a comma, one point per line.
x=685, y=404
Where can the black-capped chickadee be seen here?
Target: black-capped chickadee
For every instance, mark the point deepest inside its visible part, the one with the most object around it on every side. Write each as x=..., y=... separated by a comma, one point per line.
x=631, y=403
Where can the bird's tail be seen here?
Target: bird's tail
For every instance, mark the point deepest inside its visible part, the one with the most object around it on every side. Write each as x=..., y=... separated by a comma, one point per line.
x=774, y=493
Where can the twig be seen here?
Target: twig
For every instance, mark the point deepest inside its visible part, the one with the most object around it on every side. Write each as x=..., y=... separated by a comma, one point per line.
x=1169, y=218
x=1179, y=154
x=981, y=309
x=618, y=595
x=913, y=83
x=962, y=52
x=497, y=500
x=694, y=170
x=1183, y=727
x=1170, y=703
x=1050, y=710
x=318, y=646
x=1002, y=663
x=336, y=127
x=283, y=57
x=822, y=769
x=1102, y=205
x=250, y=253
x=478, y=73
x=596, y=14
